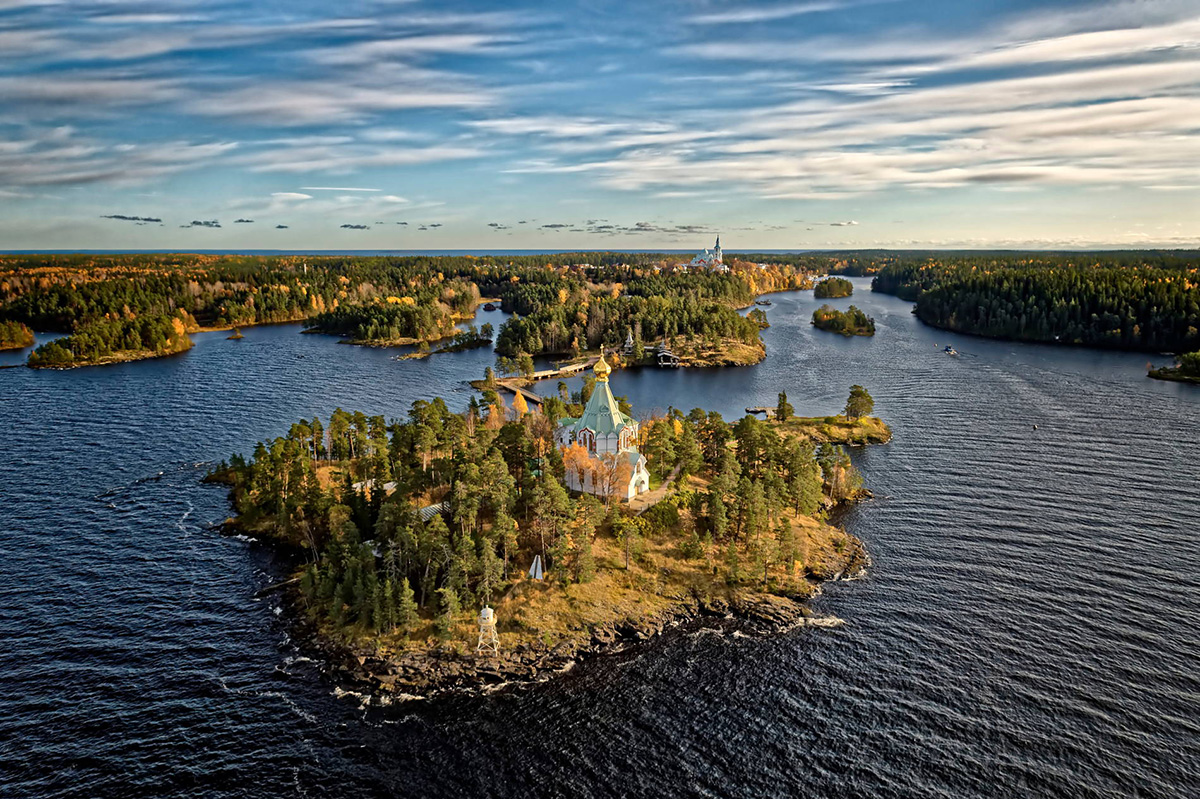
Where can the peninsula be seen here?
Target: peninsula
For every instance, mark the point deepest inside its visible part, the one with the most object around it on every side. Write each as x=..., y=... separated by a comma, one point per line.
x=1187, y=370
x=581, y=529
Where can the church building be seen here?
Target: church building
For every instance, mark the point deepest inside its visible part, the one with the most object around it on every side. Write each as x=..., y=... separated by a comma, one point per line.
x=710, y=259
x=610, y=439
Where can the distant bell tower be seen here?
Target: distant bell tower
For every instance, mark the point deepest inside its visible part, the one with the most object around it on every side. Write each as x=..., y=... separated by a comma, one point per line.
x=717, y=249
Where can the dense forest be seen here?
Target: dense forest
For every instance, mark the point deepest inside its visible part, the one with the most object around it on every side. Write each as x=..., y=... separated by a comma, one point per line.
x=110, y=303
x=1092, y=300
x=107, y=340
x=428, y=313
x=833, y=288
x=851, y=322
x=348, y=494
x=14, y=335
x=570, y=315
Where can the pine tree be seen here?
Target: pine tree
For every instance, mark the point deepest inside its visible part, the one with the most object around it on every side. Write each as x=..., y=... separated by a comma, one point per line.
x=783, y=410
x=718, y=520
x=406, y=607
x=491, y=572
x=859, y=403
x=448, y=610
x=733, y=569
x=388, y=622
x=582, y=556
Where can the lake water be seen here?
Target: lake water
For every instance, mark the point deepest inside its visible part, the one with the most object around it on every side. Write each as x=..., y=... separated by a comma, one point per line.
x=1030, y=625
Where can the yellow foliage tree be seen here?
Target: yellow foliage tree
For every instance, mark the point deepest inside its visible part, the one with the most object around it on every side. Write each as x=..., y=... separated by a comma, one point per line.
x=520, y=405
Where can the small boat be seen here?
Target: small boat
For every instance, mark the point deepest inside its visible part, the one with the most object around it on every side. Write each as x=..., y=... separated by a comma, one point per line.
x=950, y=350
x=762, y=302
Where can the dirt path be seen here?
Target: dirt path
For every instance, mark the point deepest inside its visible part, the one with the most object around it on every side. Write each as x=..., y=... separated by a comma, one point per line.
x=644, y=502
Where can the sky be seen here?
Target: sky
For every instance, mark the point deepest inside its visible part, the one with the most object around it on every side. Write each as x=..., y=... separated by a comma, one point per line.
x=386, y=124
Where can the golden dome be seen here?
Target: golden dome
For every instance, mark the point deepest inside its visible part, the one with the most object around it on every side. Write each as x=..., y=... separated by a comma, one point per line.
x=602, y=369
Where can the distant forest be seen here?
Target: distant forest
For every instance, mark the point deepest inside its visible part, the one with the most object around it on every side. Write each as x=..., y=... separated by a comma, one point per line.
x=117, y=307
x=1125, y=300
x=120, y=307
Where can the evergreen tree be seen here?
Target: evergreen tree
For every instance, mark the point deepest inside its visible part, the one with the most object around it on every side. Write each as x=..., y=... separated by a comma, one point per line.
x=859, y=403
x=448, y=610
x=783, y=410
x=406, y=607
x=491, y=572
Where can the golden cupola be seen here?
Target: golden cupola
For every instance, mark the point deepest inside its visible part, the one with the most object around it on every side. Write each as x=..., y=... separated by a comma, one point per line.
x=602, y=370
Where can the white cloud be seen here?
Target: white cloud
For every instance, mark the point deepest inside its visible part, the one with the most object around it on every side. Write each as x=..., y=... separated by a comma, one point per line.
x=749, y=14
x=349, y=158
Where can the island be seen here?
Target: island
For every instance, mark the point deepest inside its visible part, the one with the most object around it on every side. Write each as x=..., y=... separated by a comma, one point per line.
x=1186, y=371
x=832, y=288
x=15, y=336
x=851, y=322
x=457, y=551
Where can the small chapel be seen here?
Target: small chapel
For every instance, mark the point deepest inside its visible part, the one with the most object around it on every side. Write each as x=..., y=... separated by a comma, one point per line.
x=610, y=439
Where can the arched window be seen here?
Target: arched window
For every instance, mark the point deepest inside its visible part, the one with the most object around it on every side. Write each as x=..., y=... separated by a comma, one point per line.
x=587, y=440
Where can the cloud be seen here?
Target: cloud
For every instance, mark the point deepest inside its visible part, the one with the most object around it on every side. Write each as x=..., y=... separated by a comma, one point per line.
x=325, y=102
x=334, y=188
x=281, y=227
x=750, y=14
x=290, y=195
x=409, y=47
x=243, y=221
x=211, y=223
x=347, y=158
x=60, y=156
x=125, y=218
x=356, y=227
x=850, y=223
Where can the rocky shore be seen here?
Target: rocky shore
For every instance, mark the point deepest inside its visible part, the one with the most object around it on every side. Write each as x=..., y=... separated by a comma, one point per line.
x=422, y=673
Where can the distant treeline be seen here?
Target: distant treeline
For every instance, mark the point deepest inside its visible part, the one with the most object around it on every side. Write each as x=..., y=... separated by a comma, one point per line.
x=1142, y=301
x=109, y=303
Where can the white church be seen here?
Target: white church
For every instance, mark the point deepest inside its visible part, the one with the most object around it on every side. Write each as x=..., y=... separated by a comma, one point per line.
x=710, y=259
x=610, y=439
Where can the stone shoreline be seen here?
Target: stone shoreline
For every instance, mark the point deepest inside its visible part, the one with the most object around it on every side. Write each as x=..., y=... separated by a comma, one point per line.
x=441, y=670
